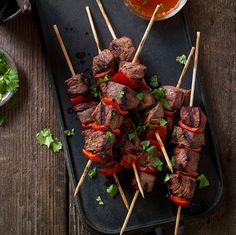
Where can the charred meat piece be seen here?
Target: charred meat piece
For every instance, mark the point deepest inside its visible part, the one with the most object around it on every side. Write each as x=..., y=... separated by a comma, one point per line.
x=97, y=142
x=183, y=137
x=155, y=114
x=122, y=48
x=77, y=85
x=82, y=106
x=131, y=146
x=148, y=101
x=122, y=94
x=174, y=96
x=182, y=186
x=186, y=160
x=103, y=63
x=193, y=117
x=186, y=96
x=134, y=71
x=147, y=182
x=85, y=116
x=107, y=116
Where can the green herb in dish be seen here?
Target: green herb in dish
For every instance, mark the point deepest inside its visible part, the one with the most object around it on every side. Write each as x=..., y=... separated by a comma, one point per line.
x=154, y=81
x=204, y=182
x=140, y=96
x=112, y=190
x=158, y=164
x=110, y=136
x=92, y=173
x=167, y=178
x=120, y=94
x=163, y=122
x=181, y=59
x=103, y=80
x=99, y=201
x=69, y=132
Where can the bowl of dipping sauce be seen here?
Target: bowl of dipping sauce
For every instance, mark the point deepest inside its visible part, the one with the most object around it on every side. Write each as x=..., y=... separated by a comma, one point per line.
x=9, y=81
x=145, y=8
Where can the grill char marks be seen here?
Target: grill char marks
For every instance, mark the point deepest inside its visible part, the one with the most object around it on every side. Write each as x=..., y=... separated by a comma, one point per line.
x=85, y=116
x=148, y=101
x=155, y=114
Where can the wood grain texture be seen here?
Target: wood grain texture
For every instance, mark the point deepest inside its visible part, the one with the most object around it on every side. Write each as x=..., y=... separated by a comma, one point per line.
x=33, y=181
x=35, y=197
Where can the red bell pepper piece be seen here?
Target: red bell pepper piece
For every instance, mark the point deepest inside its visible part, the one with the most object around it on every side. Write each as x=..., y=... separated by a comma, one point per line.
x=115, y=105
x=161, y=130
x=97, y=127
x=86, y=126
x=179, y=201
x=91, y=156
x=190, y=174
x=110, y=72
x=128, y=160
x=108, y=171
x=192, y=129
x=197, y=150
x=121, y=78
x=77, y=100
x=147, y=169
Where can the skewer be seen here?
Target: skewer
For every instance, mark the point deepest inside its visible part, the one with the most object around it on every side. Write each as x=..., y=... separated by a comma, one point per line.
x=129, y=212
x=185, y=68
x=59, y=38
x=138, y=179
x=106, y=19
x=190, y=104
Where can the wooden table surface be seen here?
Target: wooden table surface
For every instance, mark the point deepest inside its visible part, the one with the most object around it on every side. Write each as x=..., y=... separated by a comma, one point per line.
x=35, y=192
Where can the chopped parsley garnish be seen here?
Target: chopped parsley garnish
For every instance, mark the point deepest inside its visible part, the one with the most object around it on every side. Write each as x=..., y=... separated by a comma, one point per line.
x=151, y=149
x=103, y=80
x=163, y=122
x=167, y=178
x=159, y=94
x=94, y=91
x=204, y=182
x=154, y=81
x=174, y=133
x=45, y=137
x=173, y=161
x=140, y=96
x=147, y=147
x=120, y=94
x=69, y=132
x=99, y=201
x=2, y=119
x=112, y=190
x=110, y=136
x=158, y=164
x=150, y=126
x=132, y=135
x=144, y=144
x=92, y=173
x=181, y=59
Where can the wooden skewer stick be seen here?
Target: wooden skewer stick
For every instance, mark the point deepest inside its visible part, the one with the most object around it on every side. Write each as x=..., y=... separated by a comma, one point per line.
x=82, y=177
x=143, y=40
x=185, y=68
x=121, y=191
x=93, y=29
x=99, y=51
x=59, y=38
x=190, y=104
x=106, y=19
x=129, y=212
x=138, y=179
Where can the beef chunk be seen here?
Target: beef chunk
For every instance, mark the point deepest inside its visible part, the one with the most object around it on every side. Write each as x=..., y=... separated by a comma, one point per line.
x=187, y=138
x=123, y=95
x=170, y=123
x=182, y=186
x=193, y=117
x=77, y=85
x=122, y=48
x=107, y=116
x=97, y=143
x=148, y=101
x=186, y=160
x=85, y=116
x=134, y=71
x=147, y=182
x=103, y=63
x=131, y=146
x=154, y=115
x=82, y=106
x=174, y=96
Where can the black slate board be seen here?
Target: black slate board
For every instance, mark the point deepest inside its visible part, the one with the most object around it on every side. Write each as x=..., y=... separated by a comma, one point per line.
x=166, y=40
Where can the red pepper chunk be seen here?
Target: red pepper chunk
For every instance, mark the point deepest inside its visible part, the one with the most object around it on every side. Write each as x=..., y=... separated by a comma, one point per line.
x=179, y=201
x=192, y=129
x=77, y=100
x=91, y=156
x=147, y=169
x=161, y=130
x=121, y=78
x=190, y=174
x=128, y=160
x=108, y=171
x=115, y=105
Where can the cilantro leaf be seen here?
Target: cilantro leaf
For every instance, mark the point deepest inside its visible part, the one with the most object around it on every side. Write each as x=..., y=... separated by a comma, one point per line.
x=165, y=103
x=163, y=122
x=158, y=164
x=167, y=178
x=150, y=126
x=94, y=91
x=140, y=96
x=151, y=149
x=12, y=81
x=92, y=173
x=110, y=136
x=2, y=119
x=144, y=144
x=99, y=201
x=112, y=190
x=3, y=65
x=132, y=135
x=120, y=94
x=174, y=133
x=204, y=182
x=56, y=145
x=159, y=93
x=154, y=81
x=173, y=161
x=69, y=132
x=103, y=80
x=181, y=59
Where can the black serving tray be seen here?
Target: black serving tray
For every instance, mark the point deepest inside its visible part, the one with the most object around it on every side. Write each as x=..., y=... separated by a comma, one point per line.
x=166, y=40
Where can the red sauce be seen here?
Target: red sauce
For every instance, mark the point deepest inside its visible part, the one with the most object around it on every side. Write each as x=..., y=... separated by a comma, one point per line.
x=146, y=7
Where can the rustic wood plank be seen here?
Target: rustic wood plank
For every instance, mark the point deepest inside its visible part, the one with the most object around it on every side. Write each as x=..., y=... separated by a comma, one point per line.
x=33, y=181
